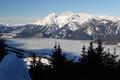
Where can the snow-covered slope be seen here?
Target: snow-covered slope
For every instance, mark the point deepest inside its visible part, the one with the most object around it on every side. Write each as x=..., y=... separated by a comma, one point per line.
x=62, y=19
x=12, y=68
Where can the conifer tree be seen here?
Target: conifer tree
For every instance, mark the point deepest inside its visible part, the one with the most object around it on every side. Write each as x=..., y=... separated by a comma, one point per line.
x=37, y=70
x=83, y=51
x=110, y=61
x=59, y=63
x=2, y=46
x=58, y=59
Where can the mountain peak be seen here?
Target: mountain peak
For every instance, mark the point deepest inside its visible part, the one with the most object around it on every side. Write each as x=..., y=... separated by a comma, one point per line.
x=70, y=25
x=62, y=19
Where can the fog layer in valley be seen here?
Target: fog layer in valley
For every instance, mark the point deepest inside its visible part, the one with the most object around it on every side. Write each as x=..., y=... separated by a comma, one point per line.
x=45, y=45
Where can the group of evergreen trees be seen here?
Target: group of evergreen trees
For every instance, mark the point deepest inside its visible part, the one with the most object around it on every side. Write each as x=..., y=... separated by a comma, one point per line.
x=93, y=62
x=2, y=47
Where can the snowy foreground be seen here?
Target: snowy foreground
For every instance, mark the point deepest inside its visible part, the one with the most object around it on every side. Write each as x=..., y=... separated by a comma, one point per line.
x=13, y=68
x=46, y=45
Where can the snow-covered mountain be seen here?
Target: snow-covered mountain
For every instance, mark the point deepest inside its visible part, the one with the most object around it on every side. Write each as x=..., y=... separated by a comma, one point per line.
x=62, y=19
x=69, y=25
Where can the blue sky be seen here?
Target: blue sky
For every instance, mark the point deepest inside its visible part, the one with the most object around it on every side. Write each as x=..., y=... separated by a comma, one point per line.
x=27, y=11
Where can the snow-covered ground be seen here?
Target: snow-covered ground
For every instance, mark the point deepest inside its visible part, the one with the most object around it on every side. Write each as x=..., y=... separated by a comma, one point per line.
x=45, y=45
x=9, y=65
x=13, y=68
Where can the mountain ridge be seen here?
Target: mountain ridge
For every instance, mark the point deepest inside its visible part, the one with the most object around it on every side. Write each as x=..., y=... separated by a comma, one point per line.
x=68, y=25
x=69, y=15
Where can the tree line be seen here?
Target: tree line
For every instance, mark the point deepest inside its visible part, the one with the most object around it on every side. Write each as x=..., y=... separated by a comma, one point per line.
x=93, y=63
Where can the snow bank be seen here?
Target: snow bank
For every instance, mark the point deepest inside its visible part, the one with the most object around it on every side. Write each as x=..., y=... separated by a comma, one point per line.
x=12, y=68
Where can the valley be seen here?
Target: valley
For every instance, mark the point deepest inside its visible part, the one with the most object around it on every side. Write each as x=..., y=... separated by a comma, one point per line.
x=45, y=45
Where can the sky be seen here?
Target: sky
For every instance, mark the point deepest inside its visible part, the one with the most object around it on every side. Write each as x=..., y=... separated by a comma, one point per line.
x=29, y=11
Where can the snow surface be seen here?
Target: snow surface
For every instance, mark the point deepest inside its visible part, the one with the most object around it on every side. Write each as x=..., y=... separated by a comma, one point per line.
x=73, y=26
x=89, y=31
x=111, y=18
x=13, y=68
x=61, y=19
x=44, y=61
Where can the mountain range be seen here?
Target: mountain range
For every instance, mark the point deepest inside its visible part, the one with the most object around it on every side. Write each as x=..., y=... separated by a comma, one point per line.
x=68, y=25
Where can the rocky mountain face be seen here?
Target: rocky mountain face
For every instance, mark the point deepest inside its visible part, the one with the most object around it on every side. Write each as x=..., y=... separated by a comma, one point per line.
x=69, y=25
